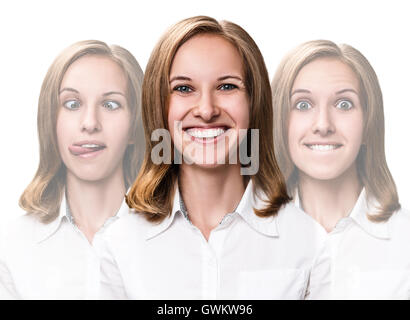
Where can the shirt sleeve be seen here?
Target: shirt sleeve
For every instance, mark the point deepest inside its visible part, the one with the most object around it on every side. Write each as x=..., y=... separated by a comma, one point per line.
x=7, y=287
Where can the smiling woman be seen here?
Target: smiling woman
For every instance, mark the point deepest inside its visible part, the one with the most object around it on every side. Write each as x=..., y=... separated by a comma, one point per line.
x=201, y=229
x=329, y=141
x=90, y=147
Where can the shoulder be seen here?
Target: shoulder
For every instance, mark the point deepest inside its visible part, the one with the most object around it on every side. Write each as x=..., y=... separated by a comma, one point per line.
x=290, y=214
x=19, y=235
x=132, y=224
x=400, y=223
x=22, y=227
x=294, y=222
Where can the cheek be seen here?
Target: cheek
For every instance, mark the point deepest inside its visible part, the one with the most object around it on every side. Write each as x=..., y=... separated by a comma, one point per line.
x=176, y=112
x=63, y=129
x=238, y=109
x=117, y=130
x=298, y=126
x=352, y=128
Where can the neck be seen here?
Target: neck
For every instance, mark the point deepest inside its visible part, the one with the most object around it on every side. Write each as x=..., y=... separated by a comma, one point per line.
x=93, y=202
x=209, y=194
x=328, y=201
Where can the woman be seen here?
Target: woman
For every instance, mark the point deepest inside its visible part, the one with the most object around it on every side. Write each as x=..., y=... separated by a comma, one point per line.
x=202, y=229
x=90, y=145
x=329, y=142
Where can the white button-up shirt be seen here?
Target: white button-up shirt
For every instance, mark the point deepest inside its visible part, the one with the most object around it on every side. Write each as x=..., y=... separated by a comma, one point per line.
x=51, y=261
x=245, y=257
x=369, y=260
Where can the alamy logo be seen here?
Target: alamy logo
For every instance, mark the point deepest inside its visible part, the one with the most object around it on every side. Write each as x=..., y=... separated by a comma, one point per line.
x=220, y=148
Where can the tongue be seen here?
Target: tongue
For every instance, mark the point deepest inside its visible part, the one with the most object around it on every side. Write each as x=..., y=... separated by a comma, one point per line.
x=77, y=150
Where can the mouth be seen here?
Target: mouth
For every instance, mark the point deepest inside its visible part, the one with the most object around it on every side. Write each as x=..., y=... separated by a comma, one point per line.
x=205, y=134
x=86, y=149
x=323, y=147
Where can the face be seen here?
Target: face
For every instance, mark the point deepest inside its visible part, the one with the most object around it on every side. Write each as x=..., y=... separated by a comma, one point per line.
x=208, y=99
x=326, y=119
x=93, y=120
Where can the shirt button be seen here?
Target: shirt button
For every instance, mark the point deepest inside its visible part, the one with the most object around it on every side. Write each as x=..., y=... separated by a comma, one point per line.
x=212, y=263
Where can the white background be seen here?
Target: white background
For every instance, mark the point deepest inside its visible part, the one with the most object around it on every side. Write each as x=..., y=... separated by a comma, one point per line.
x=32, y=33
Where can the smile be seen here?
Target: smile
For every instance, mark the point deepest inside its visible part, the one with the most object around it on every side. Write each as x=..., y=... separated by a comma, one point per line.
x=210, y=133
x=323, y=147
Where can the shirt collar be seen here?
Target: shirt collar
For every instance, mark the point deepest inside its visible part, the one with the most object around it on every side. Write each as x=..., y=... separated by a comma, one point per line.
x=249, y=200
x=362, y=208
x=359, y=213
x=45, y=231
x=156, y=229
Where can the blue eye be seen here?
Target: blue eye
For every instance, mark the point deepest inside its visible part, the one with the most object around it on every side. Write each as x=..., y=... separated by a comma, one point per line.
x=183, y=89
x=228, y=86
x=344, y=105
x=72, y=104
x=111, y=105
x=303, y=105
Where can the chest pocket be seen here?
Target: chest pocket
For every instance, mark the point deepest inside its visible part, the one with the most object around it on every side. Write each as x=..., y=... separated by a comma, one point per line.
x=273, y=284
x=375, y=284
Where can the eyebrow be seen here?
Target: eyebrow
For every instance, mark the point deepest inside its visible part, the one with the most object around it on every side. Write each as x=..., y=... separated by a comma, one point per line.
x=338, y=92
x=347, y=90
x=180, y=78
x=68, y=89
x=104, y=94
x=113, y=92
x=229, y=77
x=300, y=91
x=184, y=78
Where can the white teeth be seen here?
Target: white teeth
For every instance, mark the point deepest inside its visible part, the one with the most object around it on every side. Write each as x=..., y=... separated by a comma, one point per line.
x=205, y=133
x=90, y=145
x=323, y=147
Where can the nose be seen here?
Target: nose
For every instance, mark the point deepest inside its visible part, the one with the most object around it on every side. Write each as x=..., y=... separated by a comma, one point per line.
x=323, y=124
x=90, y=121
x=206, y=108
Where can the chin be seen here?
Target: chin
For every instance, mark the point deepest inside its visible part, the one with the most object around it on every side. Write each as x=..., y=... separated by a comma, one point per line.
x=92, y=176
x=324, y=173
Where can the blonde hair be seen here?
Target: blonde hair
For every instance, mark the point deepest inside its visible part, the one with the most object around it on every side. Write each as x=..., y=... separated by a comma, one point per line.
x=371, y=160
x=43, y=195
x=153, y=190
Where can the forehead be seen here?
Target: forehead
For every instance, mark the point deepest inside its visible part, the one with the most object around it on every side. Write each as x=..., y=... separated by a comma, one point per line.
x=327, y=72
x=207, y=54
x=95, y=72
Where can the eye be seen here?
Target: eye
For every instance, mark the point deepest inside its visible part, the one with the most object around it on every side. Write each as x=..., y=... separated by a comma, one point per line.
x=228, y=86
x=72, y=104
x=344, y=105
x=303, y=105
x=111, y=105
x=183, y=89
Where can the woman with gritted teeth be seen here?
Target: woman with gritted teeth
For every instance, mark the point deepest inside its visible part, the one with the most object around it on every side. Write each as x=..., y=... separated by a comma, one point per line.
x=207, y=223
x=329, y=142
x=90, y=145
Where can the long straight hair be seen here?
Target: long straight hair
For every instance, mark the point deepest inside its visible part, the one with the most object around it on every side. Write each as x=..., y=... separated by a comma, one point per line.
x=43, y=195
x=371, y=160
x=153, y=190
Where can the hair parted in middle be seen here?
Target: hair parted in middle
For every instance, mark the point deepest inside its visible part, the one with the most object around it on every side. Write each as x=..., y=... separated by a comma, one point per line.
x=43, y=195
x=371, y=163
x=153, y=190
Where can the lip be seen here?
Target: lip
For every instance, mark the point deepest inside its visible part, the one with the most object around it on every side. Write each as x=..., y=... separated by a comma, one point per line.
x=79, y=143
x=323, y=146
x=79, y=149
x=206, y=126
x=206, y=140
